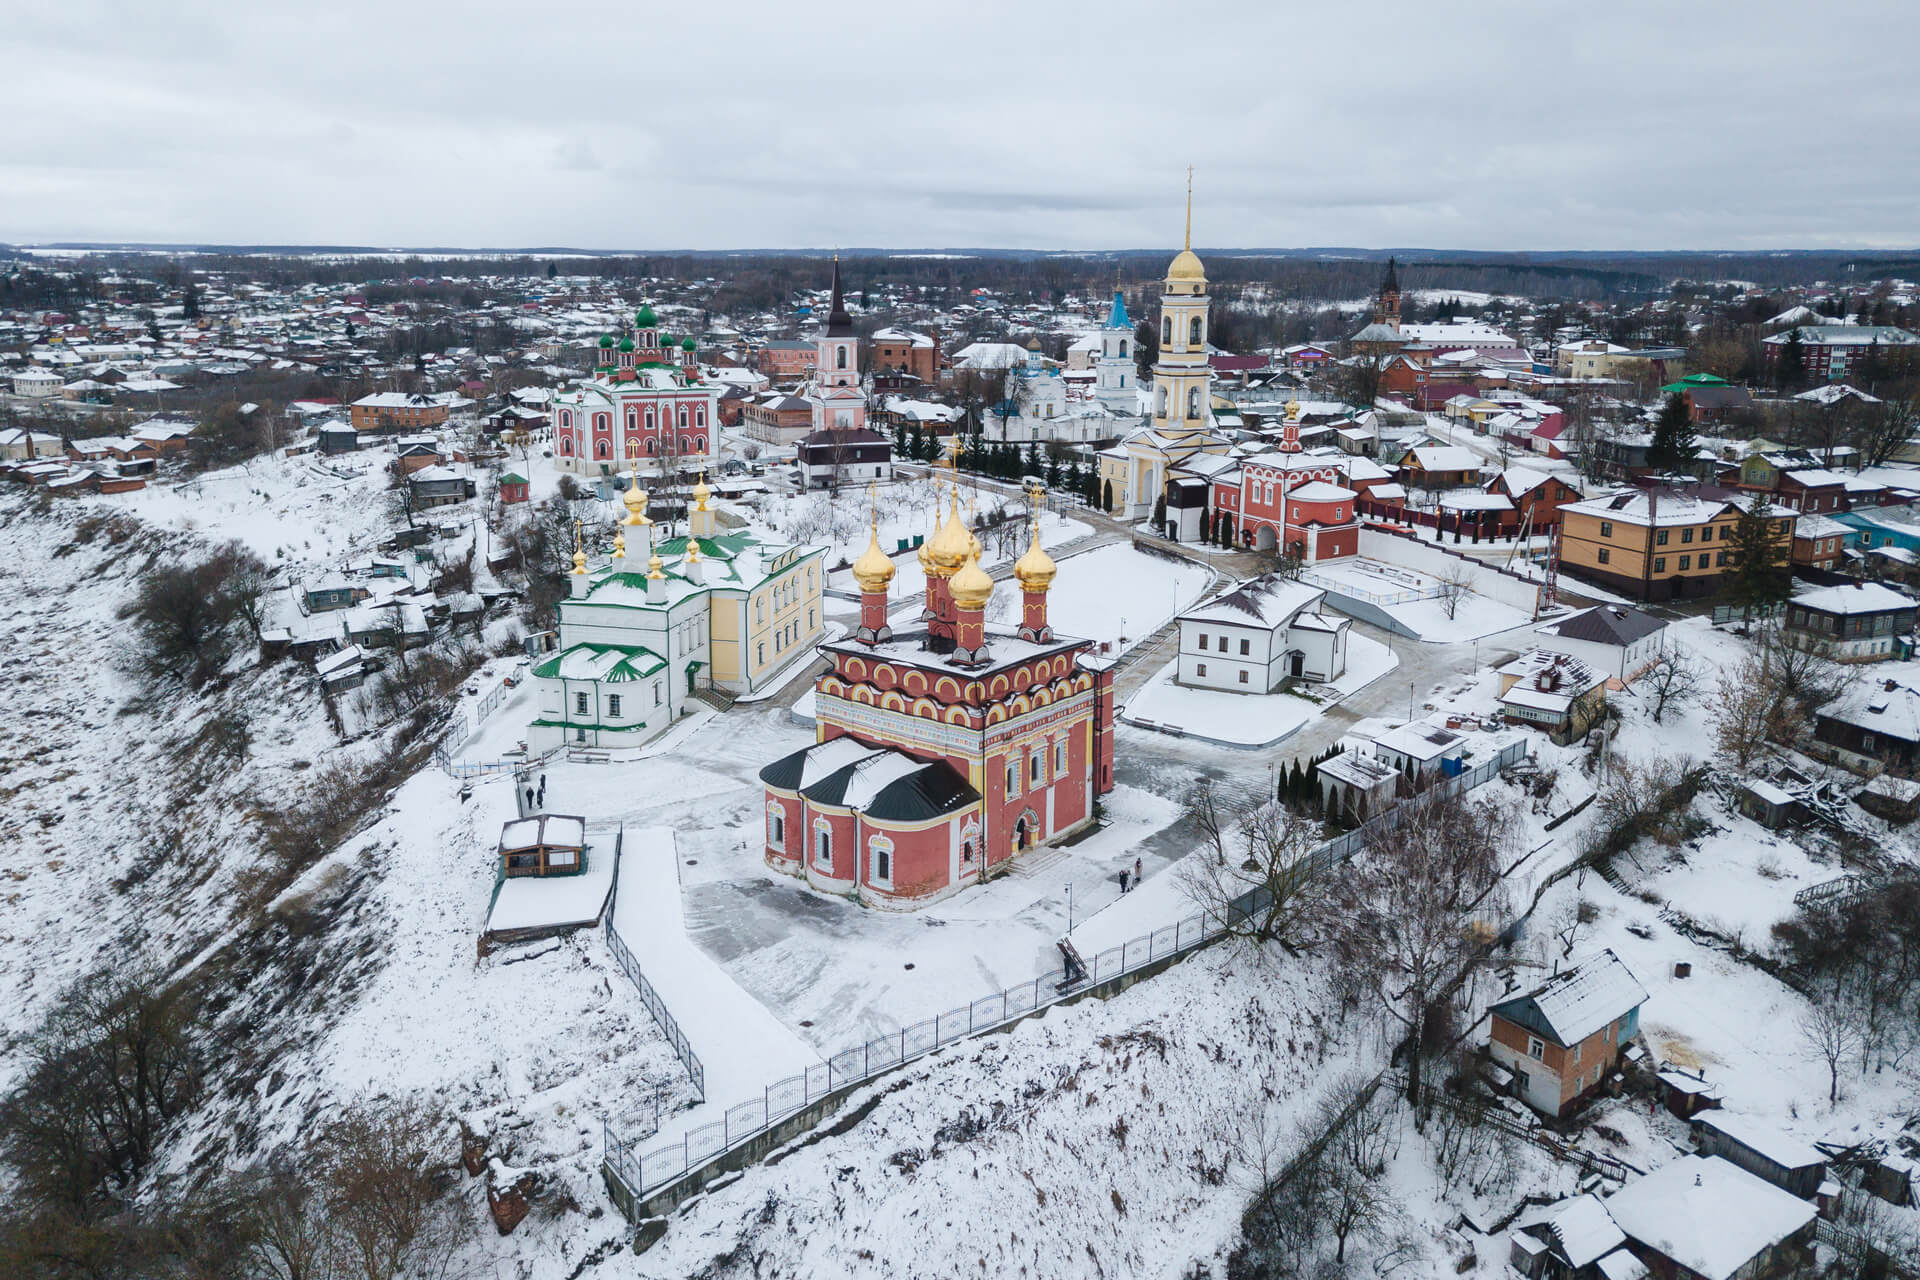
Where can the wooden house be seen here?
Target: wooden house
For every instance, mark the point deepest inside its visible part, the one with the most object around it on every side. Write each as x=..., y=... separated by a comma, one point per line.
x=544, y=844
x=1762, y=1151
x=1561, y=1039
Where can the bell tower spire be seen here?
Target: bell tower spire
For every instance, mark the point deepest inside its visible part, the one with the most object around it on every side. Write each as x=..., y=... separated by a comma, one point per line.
x=1188, y=243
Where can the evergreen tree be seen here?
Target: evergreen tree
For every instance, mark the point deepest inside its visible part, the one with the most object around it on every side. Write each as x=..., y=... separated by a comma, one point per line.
x=1673, y=444
x=900, y=440
x=1759, y=575
x=1299, y=781
x=913, y=444
x=190, y=305
x=1206, y=526
x=1160, y=512
x=1053, y=471
x=552, y=270
x=1106, y=496
x=1792, y=366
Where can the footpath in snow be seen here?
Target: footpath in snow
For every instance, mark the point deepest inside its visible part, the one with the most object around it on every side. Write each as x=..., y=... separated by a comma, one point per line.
x=742, y=1047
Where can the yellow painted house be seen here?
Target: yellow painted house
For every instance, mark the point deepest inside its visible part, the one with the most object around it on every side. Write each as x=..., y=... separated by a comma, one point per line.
x=642, y=635
x=1660, y=546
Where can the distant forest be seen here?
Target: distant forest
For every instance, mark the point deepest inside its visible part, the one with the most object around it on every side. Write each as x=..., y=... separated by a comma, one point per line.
x=748, y=281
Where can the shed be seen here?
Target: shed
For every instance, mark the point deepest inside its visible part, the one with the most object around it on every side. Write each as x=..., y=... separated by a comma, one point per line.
x=513, y=487
x=1771, y=806
x=1685, y=1094
x=1895, y=799
x=1761, y=1150
x=544, y=844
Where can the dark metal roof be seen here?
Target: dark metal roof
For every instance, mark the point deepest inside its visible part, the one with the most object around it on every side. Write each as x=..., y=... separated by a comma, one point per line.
x=925, y=793
x=1608, y=624
x=839, y=323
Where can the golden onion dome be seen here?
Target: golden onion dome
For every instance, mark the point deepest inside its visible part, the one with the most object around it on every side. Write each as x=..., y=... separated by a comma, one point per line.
x=874, y=569
x=654, y=563
x=701, y=493
x=635, y=500
x=950, y=546
x=971, y=587
x=619, y=546
x=1035, y=568
x=1187, y=267
x=579, y=561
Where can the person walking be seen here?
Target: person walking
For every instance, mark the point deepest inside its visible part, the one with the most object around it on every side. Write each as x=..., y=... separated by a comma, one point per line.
x=1136, y=871
x=1123, y=879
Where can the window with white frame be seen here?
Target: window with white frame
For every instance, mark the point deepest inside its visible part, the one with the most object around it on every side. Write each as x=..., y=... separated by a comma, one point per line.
x=776, y=826
x=580, y=704
x=613, y=706
x=1059, y=758
x=823, y=846
x=880, y=861
x=1037, y=768
x=1536, y=1048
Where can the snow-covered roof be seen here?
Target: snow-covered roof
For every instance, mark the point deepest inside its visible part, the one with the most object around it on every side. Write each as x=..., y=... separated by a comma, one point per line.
x=1814, y=526
x=1268, y=601
x=1580, y=1226
x=1855, y=597
x=1816, y=478
x=1783, y=1149
x=564, y=830
x=1321, y=491
x=1445, y=457
x=1707, y=1214
x=1421, y=740
x=1579, y=1001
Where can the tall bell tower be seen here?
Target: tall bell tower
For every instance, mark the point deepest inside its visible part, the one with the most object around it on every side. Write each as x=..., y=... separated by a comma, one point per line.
x=1182, y=378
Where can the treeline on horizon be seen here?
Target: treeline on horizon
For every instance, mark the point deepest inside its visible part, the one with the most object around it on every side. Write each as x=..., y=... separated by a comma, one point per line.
x=759, y=280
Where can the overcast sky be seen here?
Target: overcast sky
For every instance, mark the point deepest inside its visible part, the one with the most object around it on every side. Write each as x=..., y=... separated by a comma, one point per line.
x=1735, y=124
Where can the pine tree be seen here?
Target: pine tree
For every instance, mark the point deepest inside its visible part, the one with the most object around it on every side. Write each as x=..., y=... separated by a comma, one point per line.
x=1759, y=577
x=1673, y=443
x=1160, y=512
x=1792, y=366
x=190, y=305
x=1206, y=526
x=1106, y=496
x=552, y=270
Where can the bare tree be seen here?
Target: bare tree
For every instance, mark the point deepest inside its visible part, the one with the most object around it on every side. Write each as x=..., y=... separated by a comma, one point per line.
x=1353, y=1195
x=1744, y=711
x=1829, y=1030
x=1403, y=909
x=1455, y=586
x=388, y=1186
x=1253, y=872
x=1672, y=679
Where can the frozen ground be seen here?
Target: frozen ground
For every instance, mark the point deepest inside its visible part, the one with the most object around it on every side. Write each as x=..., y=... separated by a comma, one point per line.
x=1410, y=598
x=1116, y=591
x=1254, y=720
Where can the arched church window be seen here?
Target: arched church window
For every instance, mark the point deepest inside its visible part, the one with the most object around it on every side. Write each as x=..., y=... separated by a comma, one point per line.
x=1123, y=346
x=1161, y=407
x=840, y=358
x=1193, y=402
x=1166, y=330
x=1193, y=332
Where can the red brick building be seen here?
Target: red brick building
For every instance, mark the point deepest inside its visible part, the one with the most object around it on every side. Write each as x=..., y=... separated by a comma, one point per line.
x=786, y=361
x=1561, y=1040
x=944, y=754
x=906, y=351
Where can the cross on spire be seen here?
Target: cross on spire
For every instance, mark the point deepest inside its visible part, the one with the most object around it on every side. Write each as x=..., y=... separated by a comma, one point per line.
x=1189, y=243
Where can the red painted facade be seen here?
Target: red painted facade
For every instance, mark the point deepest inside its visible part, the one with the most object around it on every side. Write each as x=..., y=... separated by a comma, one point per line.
x=1033, y=738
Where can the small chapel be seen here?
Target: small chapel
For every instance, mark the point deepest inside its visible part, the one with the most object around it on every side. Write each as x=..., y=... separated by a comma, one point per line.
x=946, y=751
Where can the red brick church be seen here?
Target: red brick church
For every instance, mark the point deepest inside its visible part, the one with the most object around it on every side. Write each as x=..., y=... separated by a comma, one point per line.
x=947, y=751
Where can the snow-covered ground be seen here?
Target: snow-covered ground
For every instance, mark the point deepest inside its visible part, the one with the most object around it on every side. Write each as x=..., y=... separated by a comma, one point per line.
x=1118, y=595
x=1410, y=598
x=1253, y=720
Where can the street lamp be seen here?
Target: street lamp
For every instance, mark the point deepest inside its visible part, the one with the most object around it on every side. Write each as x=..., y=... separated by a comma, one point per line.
x=1069, y=906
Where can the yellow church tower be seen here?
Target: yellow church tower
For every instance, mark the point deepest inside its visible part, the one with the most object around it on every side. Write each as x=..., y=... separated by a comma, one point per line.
x=1182, y=378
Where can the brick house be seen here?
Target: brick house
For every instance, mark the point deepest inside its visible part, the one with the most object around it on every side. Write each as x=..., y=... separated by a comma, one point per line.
x=1820, y=542
x=909, y=352
x=787, y=361
x=1812, y=491
x=397, y=411
x=1533, y=493
x=1561, y=1039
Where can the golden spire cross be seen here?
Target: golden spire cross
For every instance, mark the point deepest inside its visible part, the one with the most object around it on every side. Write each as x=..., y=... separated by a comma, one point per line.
x=1189, y=243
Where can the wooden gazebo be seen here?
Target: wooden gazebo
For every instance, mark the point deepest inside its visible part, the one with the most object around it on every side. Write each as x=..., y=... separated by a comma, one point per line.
x=544, y=844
